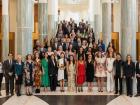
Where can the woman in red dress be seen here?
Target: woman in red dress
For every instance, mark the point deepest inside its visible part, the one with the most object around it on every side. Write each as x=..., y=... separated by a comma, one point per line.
x=80, y=73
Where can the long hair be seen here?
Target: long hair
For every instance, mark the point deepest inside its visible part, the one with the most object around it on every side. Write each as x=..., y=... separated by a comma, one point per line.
x=73, y=61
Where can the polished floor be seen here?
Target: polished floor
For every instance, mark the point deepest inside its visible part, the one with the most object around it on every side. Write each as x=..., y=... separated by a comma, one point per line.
x=77, y=99
x=63, y=99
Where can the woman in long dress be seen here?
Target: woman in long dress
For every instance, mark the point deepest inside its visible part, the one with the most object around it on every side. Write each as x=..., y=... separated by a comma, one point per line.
x=100, y=70
x=38, y=72
x=110, y=76
x=80, y=73
x=71, y=70
x=61, y=68
x=45, y=76
x=90, y=72
x=29, y=74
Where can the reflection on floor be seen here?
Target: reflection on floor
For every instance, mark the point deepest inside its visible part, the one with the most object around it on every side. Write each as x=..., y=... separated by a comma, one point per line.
x=58, y=100
x=3, y=100
x=77, y=99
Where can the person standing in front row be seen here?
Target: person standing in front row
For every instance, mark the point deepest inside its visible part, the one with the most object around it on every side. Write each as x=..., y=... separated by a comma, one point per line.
x=110, y=76
x=19, y=68
x=118, y=73
x=71, y=70
x=129, y=72
x=38, y=72
x=29, y=74
x=100, y=71
x=61, y=66
x=90, y=72
x=1, y=76
x=138, y=77
x=80, y=74
x=45, y=76
x=53, y=71
x=9, y=74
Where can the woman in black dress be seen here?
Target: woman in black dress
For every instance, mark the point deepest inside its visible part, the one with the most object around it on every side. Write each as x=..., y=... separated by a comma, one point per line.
x=29, y=72
x=90, y=72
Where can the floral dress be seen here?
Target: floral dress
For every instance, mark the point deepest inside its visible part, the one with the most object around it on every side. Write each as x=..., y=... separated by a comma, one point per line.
x=37, y=76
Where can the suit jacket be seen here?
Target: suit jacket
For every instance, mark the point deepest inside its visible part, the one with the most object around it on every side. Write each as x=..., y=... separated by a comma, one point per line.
x=129, y=70
x=118, y=68
x=52, y=68
x=8, y=68
x=138, y=68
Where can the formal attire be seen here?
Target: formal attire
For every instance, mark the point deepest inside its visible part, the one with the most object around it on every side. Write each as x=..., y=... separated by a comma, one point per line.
x=138, y=77
x=9, y=74
x=129, y=72
x=89, y=71
x=29, y=66
x=1, y=76
x=53, y=72
x=37, y=75
x=80, y=73
x=100, y=68
x=61, y=64
x=19, y=69
x=71, y=77
x=118, y=74
x=110, y=74
x=45, y=77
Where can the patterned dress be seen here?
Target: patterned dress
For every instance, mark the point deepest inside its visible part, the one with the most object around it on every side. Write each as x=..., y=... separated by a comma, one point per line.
x=37, y=76
x=100, y=70
x=29, y=73
x=71, y=77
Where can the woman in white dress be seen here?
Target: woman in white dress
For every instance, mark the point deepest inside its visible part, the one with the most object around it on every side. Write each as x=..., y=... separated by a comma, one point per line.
x=61, y=68
x=110, y=76
x=100, y=70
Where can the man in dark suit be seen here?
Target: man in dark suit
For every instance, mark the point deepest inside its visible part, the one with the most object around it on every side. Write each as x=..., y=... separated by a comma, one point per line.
x=9, y=73
x=118, y=73
x=52, y=68
x=138, y=77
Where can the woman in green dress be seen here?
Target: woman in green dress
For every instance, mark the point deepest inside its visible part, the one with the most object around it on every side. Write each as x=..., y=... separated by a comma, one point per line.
x=45, y=76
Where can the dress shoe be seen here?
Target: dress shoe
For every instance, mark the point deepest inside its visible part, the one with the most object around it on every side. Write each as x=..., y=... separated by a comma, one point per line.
x=137, y=95
x=116, y=93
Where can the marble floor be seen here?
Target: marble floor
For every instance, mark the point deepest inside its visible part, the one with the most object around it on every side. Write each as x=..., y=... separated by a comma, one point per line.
x=69, y=98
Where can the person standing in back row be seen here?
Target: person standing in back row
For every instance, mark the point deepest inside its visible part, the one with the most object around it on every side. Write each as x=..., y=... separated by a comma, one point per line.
x=9, y=73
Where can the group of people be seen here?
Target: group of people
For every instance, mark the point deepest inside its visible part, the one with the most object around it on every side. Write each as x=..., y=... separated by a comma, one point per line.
x=71, y=59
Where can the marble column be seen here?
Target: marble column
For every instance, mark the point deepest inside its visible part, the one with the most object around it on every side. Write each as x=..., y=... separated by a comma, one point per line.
x=42, y=19
x=24, y=27
x=5, y=29
x=97, y=19
x=52, y=18
x=97, y=28
x=106, y=22
x=128, y=31
x=128, y=28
